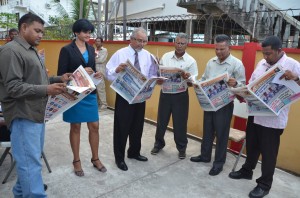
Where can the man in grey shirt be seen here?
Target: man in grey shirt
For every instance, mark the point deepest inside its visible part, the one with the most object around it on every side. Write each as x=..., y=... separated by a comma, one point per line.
x=24, y=90
x=218, y=123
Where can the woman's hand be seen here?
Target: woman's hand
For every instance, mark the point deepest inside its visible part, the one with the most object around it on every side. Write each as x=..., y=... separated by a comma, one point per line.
x=89, y=70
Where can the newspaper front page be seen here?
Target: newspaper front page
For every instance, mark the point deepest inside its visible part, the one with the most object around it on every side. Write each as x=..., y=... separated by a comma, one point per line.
x=79, y=87
x=268, y=95
x=133, y=86
x=214, y=94
x=254, y=105
x=174, y=83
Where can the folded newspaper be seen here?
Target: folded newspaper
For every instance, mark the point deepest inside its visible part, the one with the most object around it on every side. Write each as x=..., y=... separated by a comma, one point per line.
x=133, y=86
x=214, y=93
x=268, y=95
x=79, y=87
x=174, y=83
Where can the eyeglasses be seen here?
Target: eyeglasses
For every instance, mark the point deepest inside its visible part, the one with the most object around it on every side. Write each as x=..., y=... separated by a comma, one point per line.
x=178, y=43
x=140, y=40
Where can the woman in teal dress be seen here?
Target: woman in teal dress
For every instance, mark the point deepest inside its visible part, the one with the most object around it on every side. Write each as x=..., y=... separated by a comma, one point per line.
x=71, y=56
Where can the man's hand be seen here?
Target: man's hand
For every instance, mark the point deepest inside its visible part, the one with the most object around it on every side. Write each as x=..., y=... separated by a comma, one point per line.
x=288, y=75
x=66, y=77
x=56, y=88
x=185, y=75
x=98, y=75
x=189, y=84
x=121, y=67
x=232, y=82
x=159, y=81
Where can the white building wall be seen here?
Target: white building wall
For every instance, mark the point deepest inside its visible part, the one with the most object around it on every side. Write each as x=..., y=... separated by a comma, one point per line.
x=142, y=8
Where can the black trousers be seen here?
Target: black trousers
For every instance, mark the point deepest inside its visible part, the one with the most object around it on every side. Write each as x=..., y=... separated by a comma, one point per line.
x=128, y=121
x=265, y=141
x=216, y=124
x=178, y=106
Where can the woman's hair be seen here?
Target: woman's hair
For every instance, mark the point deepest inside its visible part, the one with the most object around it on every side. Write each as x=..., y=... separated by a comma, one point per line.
x=82, y=25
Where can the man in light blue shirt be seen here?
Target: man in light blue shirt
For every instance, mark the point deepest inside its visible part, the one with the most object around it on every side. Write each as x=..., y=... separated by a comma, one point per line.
x=217, y=123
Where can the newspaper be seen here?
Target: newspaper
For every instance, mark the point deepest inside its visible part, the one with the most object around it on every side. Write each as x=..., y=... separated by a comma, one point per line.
x=268, y=95
x=214, y=93
x=174, y=83
x=79, y=87
x=254, y=105
x=133, y=86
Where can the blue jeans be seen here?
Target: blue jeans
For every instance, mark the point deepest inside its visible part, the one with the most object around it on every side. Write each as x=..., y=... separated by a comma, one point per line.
x=27, y=141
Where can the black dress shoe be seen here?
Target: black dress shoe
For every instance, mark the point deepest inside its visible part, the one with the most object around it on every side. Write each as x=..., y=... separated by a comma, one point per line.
x=139, y=158
x=258, y=192
x=155, y=150
x=45, y=187
x=181, y=155
x=122, y=166
x=215, y=171
x=199, y=158
x=240, y=175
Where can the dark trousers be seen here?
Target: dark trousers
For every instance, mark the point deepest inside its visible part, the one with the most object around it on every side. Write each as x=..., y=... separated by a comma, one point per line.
x=178, y=106
x=128, y=121
x=216, y=124
x=265, y=141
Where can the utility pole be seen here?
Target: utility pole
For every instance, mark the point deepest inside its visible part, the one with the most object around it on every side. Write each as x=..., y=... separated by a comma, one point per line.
x=106, y=18
x=124, y=19
x=99, y=17
x=80, y=9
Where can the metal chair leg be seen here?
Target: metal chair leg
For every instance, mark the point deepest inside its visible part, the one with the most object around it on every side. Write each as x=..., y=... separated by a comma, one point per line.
x=4, y=155
x=13, y=163
x=46, y=162
x=239, y=155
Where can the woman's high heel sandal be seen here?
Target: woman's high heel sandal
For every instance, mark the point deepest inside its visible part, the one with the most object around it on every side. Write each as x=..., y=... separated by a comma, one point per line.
x=80, y=172
x=101, y=169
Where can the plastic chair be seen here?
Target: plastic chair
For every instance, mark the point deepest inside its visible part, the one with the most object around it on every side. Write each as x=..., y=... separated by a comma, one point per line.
x=239, y=136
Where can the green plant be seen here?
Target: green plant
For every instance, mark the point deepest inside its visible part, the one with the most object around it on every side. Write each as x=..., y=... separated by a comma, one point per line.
x=76, y=8
x=8, y=20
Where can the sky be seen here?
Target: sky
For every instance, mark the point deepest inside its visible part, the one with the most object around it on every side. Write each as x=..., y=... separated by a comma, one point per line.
x=286, y=4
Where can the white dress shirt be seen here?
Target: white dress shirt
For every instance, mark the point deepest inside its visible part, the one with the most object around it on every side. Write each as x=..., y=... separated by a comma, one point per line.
x=128, y=53
x=280, y=121
x=186, y=63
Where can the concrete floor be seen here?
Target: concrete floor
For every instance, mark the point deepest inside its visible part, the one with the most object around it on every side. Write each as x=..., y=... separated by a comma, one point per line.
x=164, y=175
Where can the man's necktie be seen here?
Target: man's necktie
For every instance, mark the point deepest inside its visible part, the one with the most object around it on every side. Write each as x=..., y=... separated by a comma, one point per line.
x=136, y=61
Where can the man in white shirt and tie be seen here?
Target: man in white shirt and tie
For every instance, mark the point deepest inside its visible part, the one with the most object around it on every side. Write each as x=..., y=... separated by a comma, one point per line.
x=129, y=118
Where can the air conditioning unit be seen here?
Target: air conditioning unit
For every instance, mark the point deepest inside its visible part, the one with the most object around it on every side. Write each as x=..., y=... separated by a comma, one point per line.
x=48, y=6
